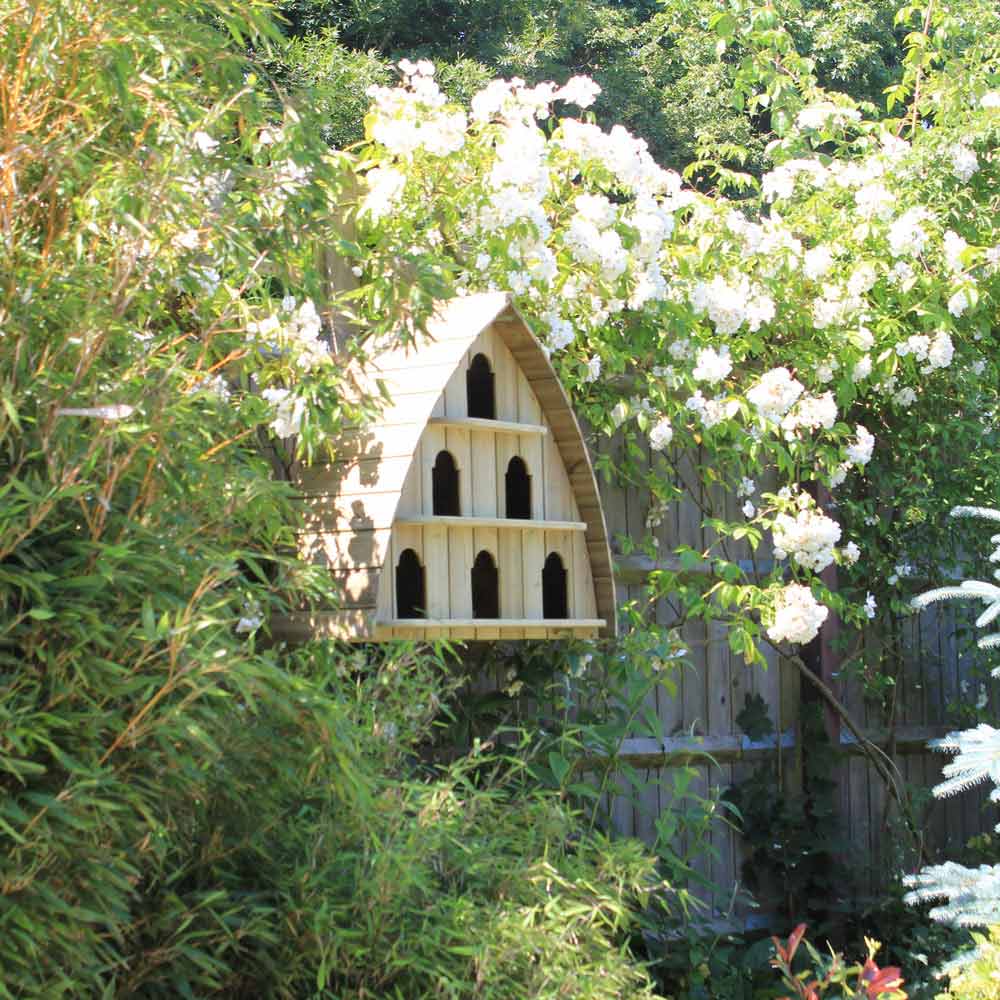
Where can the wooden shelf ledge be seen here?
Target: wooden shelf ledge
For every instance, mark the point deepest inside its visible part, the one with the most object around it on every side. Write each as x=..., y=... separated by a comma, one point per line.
x=522, y=524
x=494, y=623
x=482, y=424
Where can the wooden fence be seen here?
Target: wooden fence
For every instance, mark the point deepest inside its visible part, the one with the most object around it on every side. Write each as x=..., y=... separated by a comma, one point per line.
x=701, y=717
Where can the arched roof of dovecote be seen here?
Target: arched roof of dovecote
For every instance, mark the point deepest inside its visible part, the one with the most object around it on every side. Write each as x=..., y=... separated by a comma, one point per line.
x=372, y=461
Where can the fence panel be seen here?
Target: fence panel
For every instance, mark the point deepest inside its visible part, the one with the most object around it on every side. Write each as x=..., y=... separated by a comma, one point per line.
x=701, y=718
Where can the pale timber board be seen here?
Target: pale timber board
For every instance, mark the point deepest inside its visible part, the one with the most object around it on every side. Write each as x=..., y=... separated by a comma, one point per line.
x=377, y=443
x=357, y=623
x=357, y=587
x=362, y=513
x=552, y=624
x=583, y=584
x=508, y=524
x=342, y=550
x=493, y=426
x=533, y=549
x=460, y=559
x=419, y=380
x=483, y=474
x=437, y=578
x=456, y=402
x=411, y=495
x=512, y=574
x=506, y=382
x=355, y=476
x=528, y=409
x=559, y=504
x=458, y=443
x=406, y=408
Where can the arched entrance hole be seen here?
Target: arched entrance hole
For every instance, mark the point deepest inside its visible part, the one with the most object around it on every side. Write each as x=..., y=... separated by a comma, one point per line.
x=485, y=587
x=444, y=478
x=480, y=389
x=518, y=486
x=410, y=599
x=555, y=603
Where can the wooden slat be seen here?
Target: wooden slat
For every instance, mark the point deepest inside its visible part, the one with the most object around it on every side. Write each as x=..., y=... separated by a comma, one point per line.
x=377, y=442
x=456, y=401
x=411, y=495
x=494, y=426
x=533, y=553
x=483, y=474
x=500, y=623
x=415, y=379
x=341, y=550
x=583, y=584
x=505, y=382
x=511, y=565
x=365, y=513
x=458, y=443
x=355, y=624
x=460, y=559
x=437, y=578
x=354, y=476
x=507, y=523
x=357, y=587
x=558, y=493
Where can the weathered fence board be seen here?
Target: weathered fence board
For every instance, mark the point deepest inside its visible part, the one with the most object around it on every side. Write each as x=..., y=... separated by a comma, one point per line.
x=700, y=718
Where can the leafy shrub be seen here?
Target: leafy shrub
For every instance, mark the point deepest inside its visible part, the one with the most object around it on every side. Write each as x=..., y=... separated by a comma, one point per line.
x=980, y=978
x=825, y=974
x=187, y=809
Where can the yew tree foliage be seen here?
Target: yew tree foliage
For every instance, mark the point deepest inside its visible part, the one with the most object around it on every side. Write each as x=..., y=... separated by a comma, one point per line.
x=185, y=809
x=657, y=62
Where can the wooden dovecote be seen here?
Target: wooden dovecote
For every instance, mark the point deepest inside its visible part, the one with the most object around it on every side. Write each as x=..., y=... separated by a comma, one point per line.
x=469, y=509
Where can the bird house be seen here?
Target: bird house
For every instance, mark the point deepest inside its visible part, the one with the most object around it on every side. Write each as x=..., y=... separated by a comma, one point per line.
x=469, y=508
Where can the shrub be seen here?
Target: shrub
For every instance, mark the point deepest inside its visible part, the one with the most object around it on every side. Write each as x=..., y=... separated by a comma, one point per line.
x=185, y=808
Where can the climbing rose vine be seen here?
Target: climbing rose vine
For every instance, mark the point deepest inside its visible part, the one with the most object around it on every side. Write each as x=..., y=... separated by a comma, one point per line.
x=853, y=282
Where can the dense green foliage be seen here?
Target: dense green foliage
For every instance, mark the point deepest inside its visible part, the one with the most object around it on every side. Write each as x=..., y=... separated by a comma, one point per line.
x=657, y=62
x=190, y=810
x=186, y=810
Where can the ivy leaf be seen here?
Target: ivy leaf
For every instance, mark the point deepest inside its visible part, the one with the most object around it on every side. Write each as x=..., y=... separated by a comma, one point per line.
x=753, y=718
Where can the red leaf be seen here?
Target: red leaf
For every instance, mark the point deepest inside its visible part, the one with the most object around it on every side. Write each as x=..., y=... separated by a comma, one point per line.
x=878, y=981
x=794, y=938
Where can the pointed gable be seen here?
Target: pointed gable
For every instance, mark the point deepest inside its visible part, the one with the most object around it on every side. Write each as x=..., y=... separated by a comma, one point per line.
x=417, y=503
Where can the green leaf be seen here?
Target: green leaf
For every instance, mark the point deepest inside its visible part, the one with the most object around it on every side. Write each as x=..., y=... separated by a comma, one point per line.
x=560, y=766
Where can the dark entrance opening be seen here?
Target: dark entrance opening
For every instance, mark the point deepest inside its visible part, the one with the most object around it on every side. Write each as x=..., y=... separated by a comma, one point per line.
x=410, y=600
x=445, y=485
x=554, y=601
x=480, y=389
x=485, y=587
x=518, y=484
